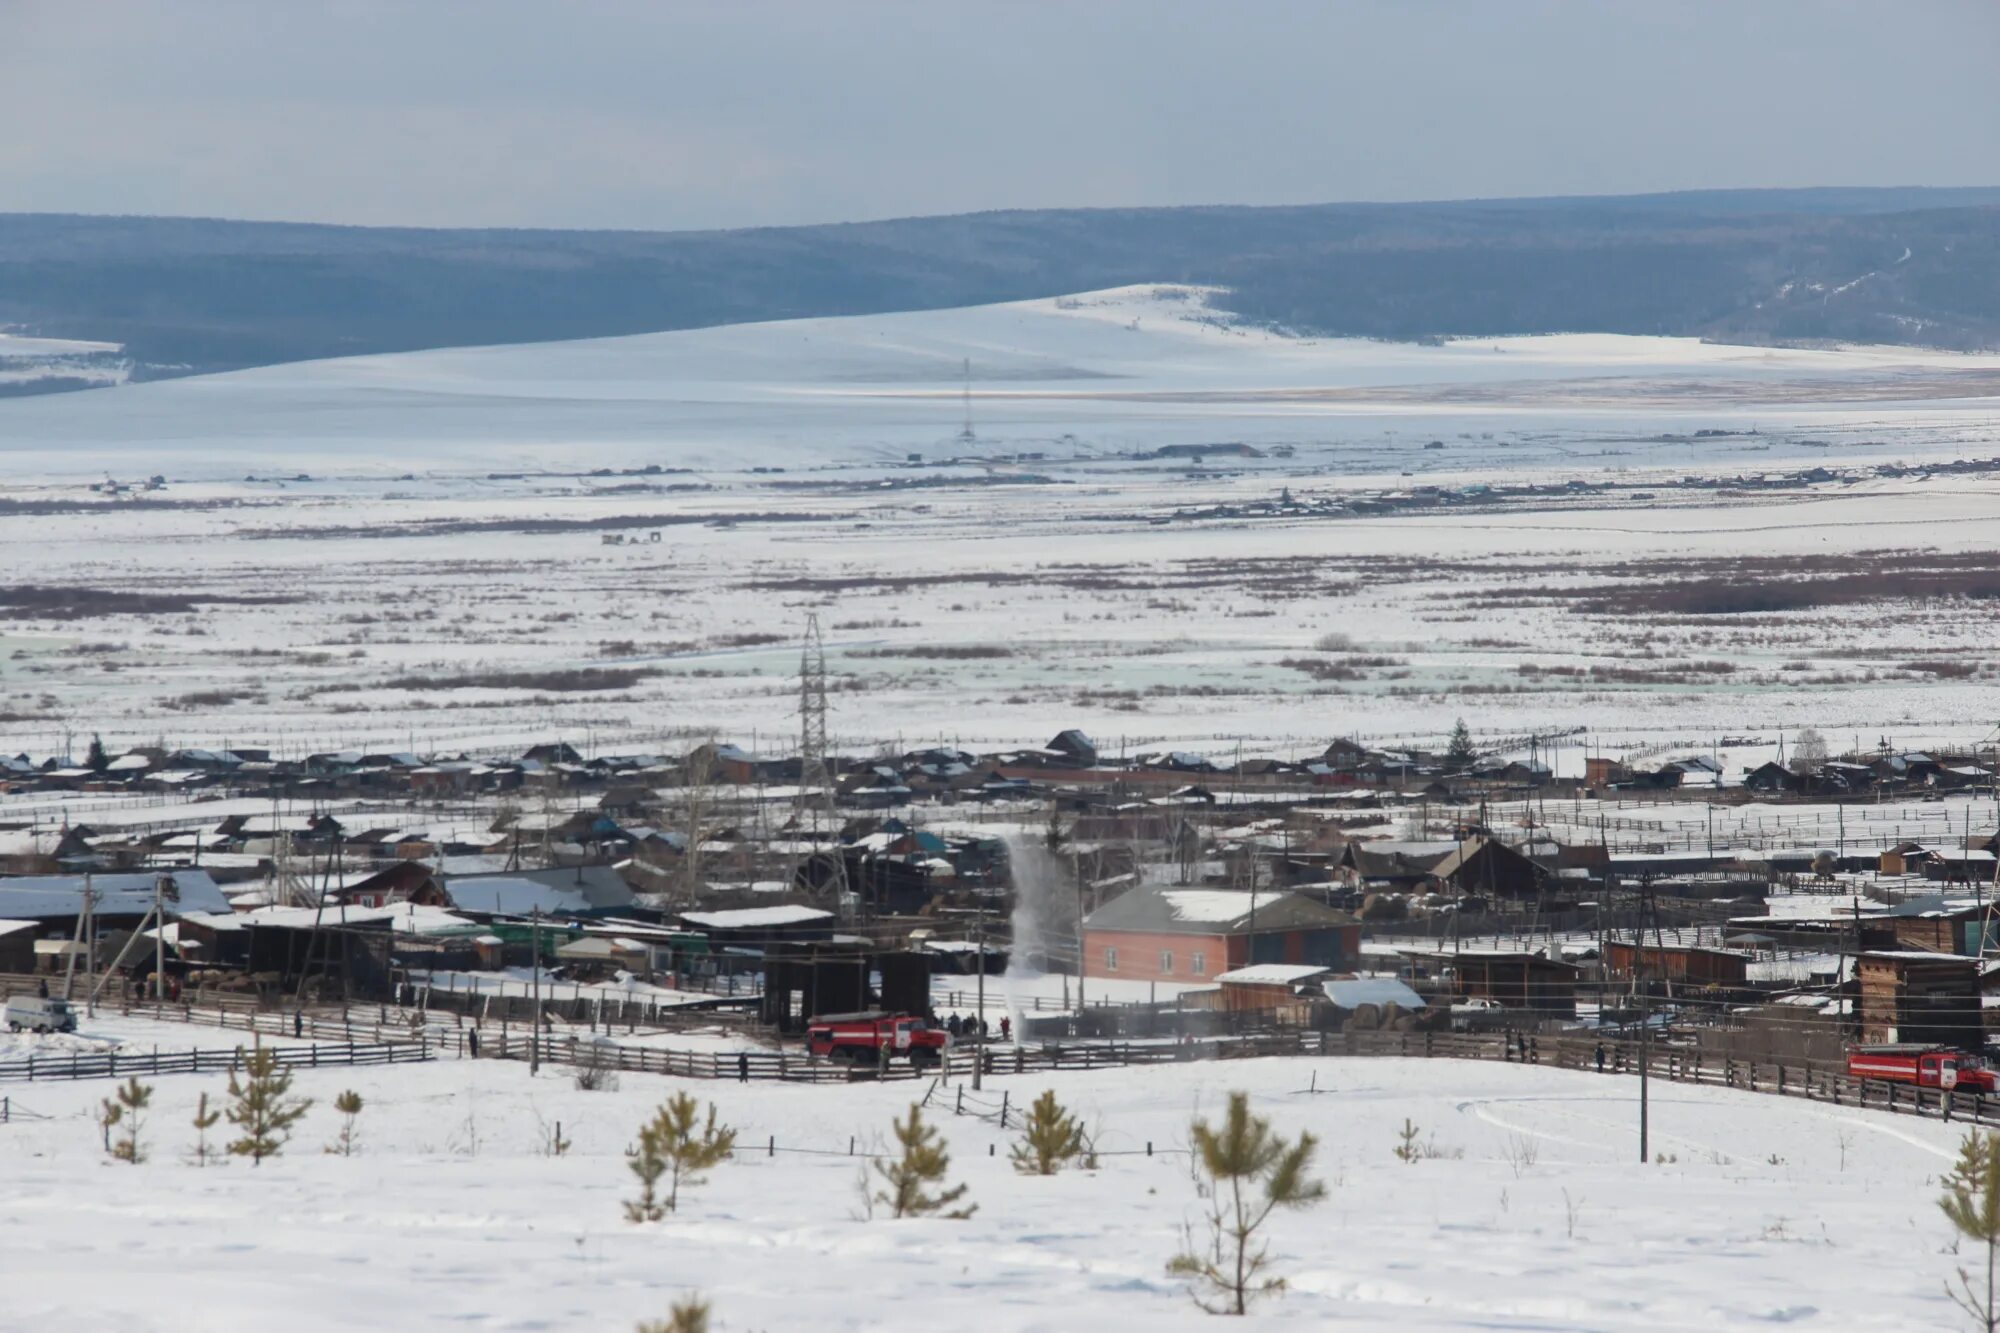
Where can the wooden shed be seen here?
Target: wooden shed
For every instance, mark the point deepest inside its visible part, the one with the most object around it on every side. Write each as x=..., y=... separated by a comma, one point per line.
x=1513, y=980
x=1677, y=962
x=1915, y=995
x=1272, y=987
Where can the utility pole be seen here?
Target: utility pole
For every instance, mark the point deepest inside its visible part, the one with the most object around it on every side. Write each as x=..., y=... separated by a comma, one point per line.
x=535, y=1025
x=159, y=939
x=89, y=943
x=1646, y=908
x=979, y=1030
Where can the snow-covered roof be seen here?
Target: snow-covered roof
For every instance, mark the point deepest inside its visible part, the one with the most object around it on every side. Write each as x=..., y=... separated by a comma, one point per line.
x=39, y=896
x=749, y=918
x=1272, y=974
x=1354, y=992
x=506, y=895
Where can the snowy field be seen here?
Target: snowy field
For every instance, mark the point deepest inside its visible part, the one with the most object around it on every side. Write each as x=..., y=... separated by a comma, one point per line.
x=444, y=572
x=1536, y=1214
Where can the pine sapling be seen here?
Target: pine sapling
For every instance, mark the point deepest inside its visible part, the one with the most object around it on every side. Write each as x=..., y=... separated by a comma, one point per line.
x=261, y=1106
x=678, y=1145
x=1407, y=1148
x=132, y=1099
x=912, y=1184
x=349, y=1105
x=204, y=1120
x=1971, y=1200
x=109, y=1113
x=1251, y=1173
x=1051, y=1140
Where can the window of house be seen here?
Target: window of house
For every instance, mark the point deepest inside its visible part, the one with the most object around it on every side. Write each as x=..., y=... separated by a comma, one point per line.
x=1166, y=963
x=1110, y=960
x=1199, y=964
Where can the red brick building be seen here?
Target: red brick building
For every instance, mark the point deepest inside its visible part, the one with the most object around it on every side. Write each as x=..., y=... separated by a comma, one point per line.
x=1195, y=935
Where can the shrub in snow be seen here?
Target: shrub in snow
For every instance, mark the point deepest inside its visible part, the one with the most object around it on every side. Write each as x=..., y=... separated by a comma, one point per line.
x=911, y=1184
x=349, y=1105
x=677, y=1146
x=1247, y=1173
x=1972, y=1201
x=688, y=1316
x=595, y=1072
x=261, y=1106
x=1052, y=1140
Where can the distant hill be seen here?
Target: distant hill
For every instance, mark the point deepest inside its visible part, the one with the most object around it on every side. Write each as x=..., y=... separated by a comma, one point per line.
x=188, y=296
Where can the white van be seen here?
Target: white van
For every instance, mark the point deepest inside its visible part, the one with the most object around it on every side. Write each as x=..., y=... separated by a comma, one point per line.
x=40, y=1015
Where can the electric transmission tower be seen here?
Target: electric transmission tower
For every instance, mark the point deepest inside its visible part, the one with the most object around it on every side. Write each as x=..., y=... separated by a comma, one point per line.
x=815, y=800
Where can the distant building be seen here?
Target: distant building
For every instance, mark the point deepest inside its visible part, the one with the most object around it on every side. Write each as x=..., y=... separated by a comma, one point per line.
x=1149, y=934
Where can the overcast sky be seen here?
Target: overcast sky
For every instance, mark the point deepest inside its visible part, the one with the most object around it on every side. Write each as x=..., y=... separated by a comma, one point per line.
x=658, y=114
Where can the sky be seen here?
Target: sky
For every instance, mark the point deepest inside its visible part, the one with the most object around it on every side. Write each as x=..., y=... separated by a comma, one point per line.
x=682, y=114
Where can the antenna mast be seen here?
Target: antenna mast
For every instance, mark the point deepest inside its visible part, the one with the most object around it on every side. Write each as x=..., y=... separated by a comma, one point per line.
x=966, y=436
x=816, y=796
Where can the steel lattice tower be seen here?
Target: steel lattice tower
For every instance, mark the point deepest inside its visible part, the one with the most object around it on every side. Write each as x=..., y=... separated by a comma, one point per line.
x=815, y=800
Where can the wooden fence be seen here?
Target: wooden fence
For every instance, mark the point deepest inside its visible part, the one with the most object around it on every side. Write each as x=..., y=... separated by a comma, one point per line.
x=1672, y=1064
x=121, y=1064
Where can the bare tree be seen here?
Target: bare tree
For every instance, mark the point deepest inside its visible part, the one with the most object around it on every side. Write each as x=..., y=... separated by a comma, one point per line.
x=1809, y=754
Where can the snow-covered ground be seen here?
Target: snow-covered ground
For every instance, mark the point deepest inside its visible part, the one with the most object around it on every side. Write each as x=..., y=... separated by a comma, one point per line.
x=450, y=550
x=1135, y=367
x=1536, y=1214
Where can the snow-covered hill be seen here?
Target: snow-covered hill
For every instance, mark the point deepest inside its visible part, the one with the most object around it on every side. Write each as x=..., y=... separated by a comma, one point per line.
x=1532, y=1213
x=1133, y=367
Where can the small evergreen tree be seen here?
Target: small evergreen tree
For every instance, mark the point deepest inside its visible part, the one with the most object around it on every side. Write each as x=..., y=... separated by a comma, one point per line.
x=1407, y=1148
x=109, y=1113
x=133, y=1097
x=349, y=1105
x=96, y=760
x=683, y=1316
x=1971, y=1200
x=204, y=1120
x=1461, y=753
x=674, y=1144
x=261, y=1106
x=907, y=1181
x=1052, y=1139
x=1246, y=1173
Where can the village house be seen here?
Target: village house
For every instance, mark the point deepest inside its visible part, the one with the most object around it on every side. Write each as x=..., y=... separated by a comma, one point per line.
x=1150, y=934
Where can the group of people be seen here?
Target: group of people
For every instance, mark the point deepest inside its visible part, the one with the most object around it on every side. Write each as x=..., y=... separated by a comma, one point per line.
x=972, y=1025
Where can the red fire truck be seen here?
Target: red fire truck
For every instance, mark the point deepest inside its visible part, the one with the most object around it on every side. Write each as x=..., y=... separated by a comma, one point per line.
x=1926, y=1066
x=861, y=1039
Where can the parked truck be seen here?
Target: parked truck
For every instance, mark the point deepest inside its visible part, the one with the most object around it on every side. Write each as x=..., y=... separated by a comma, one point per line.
x=1944, y=1067
x=40, y=1014
x=864, y=1038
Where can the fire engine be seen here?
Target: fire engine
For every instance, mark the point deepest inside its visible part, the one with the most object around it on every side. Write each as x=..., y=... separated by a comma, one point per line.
x=1926, y=1066
x=861, y=1039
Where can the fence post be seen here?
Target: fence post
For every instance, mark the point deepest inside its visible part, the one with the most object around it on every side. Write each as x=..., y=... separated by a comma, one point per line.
x=771, y=1148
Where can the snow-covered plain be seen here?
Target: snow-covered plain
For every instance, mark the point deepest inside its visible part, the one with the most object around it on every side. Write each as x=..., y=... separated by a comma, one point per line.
x=1763, y=1210
x=1031, y=577
x=1133, y=367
